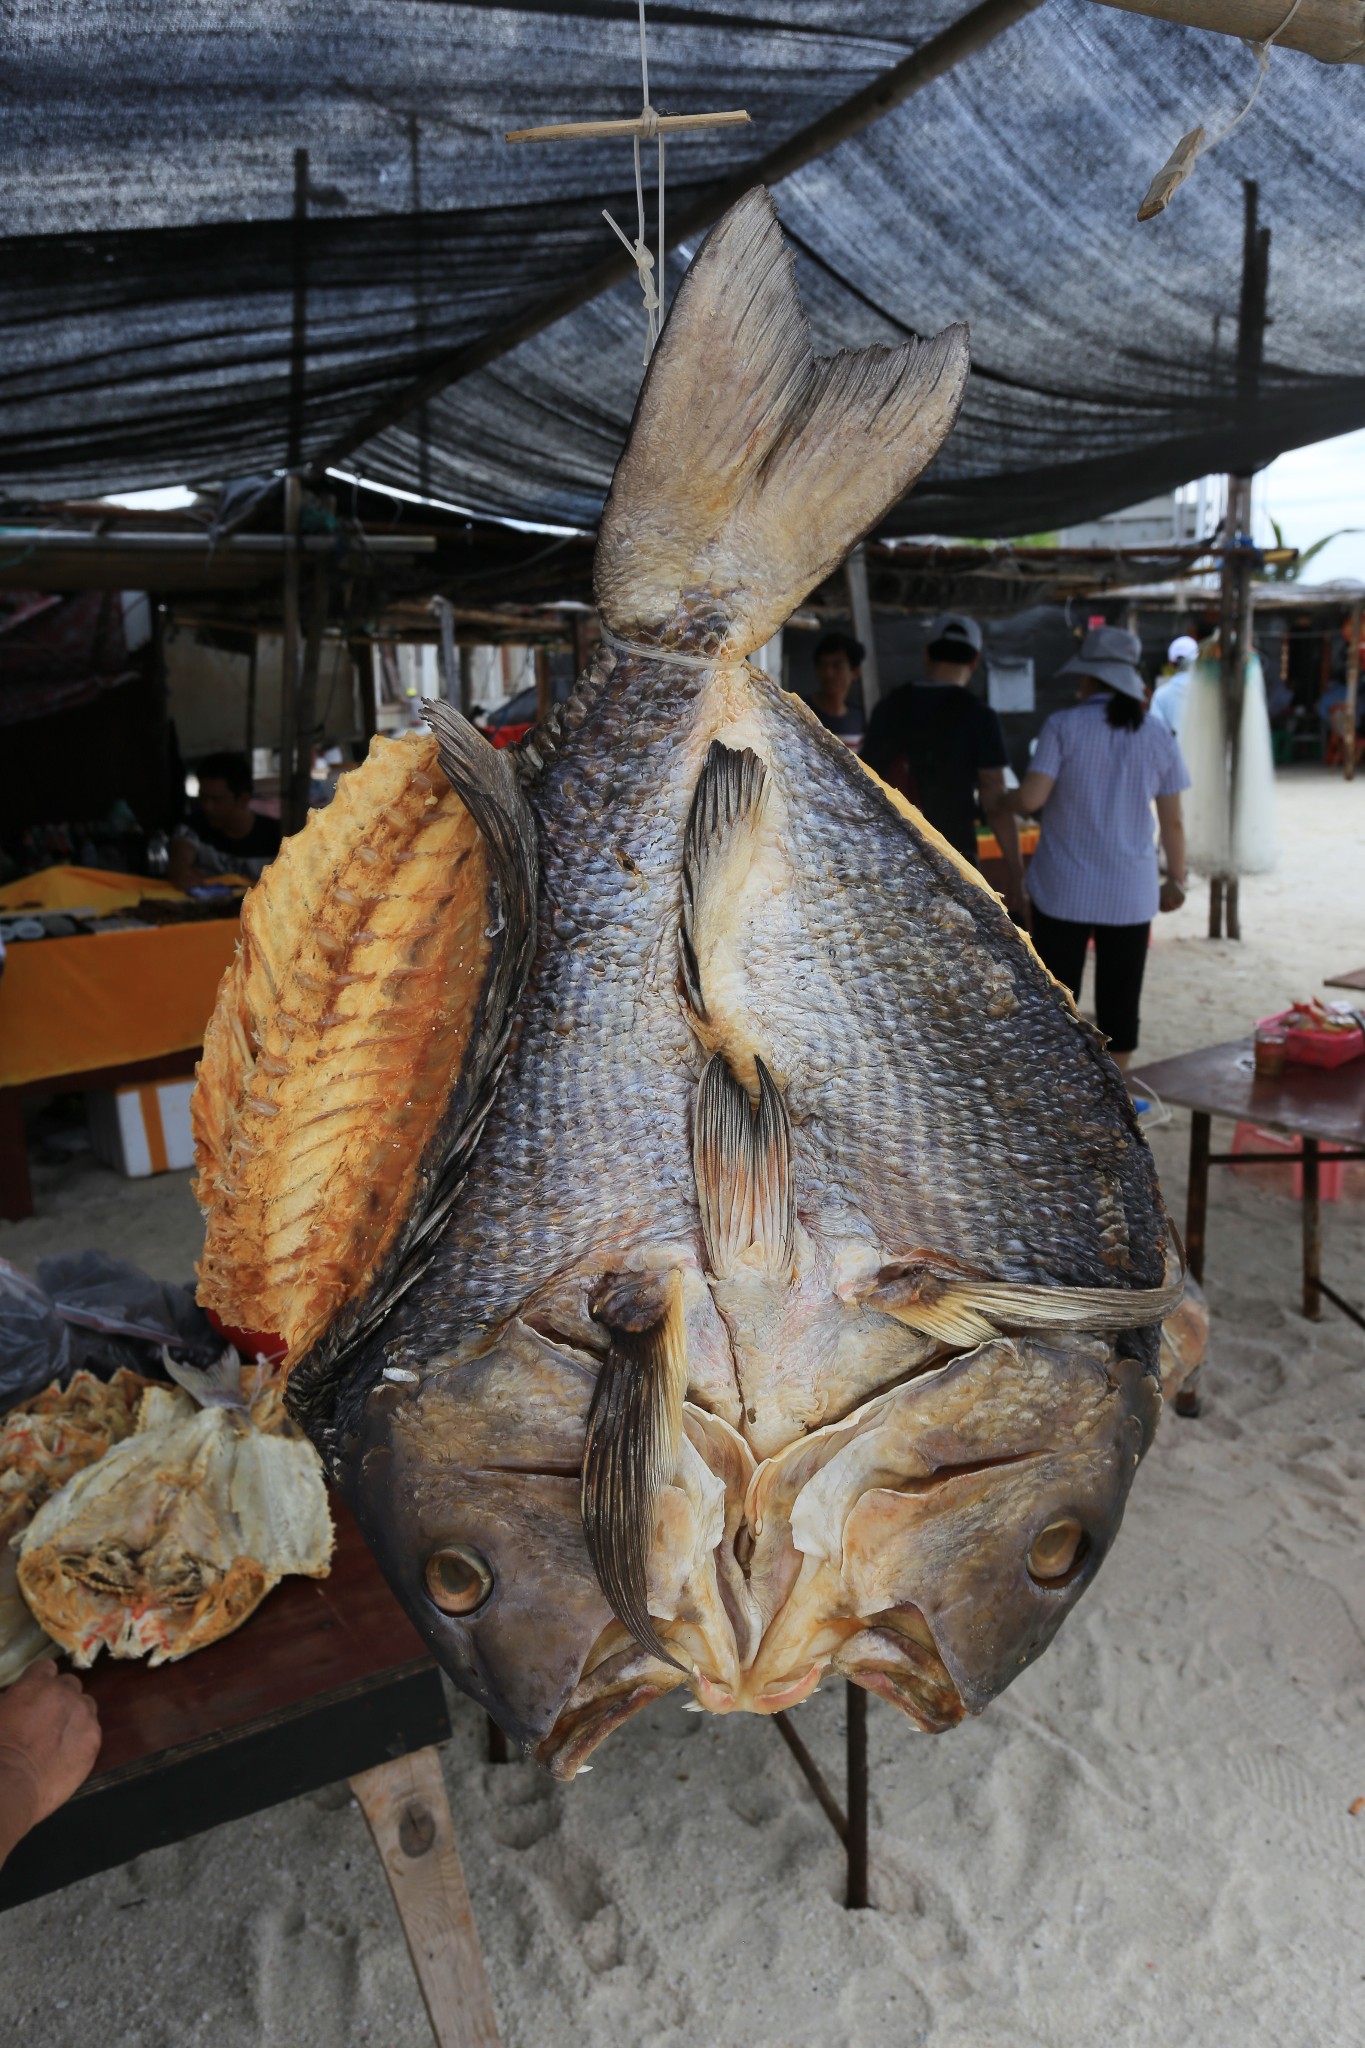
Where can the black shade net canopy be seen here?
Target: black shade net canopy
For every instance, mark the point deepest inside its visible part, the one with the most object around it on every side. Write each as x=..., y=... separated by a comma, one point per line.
x=185, y=297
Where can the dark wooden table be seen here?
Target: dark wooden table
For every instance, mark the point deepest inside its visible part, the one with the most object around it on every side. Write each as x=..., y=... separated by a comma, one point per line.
x=328, y=1680
x=1322, y=1106
x=1355, y=979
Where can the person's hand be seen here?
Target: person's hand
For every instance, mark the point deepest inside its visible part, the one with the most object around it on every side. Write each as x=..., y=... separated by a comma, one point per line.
x=1017, y=904
x=1172, y=893
x=49, y=1739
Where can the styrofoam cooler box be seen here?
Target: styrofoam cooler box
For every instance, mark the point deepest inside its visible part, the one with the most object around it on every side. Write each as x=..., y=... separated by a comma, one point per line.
x=144, y=1130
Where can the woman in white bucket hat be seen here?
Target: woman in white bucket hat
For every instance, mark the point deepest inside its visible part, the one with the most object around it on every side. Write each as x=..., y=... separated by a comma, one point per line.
x=1094, y=775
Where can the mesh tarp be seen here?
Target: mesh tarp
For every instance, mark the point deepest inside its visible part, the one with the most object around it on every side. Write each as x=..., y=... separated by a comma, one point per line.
x=151, y=274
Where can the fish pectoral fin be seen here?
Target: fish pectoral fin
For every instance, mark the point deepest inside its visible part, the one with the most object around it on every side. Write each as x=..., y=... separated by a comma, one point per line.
x=944, y=1302
x=633, y=1432
x=742, y=1162
x=753, y=465
x=718, y=848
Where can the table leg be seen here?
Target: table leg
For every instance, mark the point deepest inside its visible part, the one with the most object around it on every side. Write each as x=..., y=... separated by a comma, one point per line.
x=1312, y=1233
x=856, y=1709
x=498, y=1749
x=16, y=1189
x=409, y=1818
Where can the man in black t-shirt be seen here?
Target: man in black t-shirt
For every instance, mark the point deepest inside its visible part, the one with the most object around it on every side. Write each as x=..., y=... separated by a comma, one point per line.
x=945, y=750
x=838, y=667
x=224, y=824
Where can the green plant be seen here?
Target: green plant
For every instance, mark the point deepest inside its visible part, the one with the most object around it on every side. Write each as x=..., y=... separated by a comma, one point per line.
x=1290, y=572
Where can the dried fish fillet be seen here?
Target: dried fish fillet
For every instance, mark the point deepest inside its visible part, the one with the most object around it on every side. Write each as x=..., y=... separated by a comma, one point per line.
x=178, y=1533
x=777, y=1292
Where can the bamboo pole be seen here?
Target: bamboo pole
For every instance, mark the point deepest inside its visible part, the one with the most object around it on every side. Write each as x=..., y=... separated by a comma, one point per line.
x=978, y=27
x=643, y=125
x=1333, y=31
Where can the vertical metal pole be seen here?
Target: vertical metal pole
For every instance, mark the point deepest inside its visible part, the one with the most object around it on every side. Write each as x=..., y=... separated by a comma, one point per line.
x=306, y=729
x=251, y=697
x=1197, y=1194
x=298, y=340
x=289, y=651
x=856, y=1707
x=1215, y=906
x=1348, y=730
x=419, y=324
x=1312, y=1233
x=860, y=605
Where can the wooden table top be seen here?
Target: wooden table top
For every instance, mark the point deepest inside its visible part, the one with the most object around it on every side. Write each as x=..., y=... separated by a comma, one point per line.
x=307, y=1639
x=1354, y=979
x=1327, y=1103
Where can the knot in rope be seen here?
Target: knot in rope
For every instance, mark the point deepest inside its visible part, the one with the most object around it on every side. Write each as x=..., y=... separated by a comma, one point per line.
x=649, y=123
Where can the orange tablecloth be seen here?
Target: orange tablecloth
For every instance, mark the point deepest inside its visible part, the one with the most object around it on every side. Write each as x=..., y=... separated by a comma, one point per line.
x=70, y=888
x=69, y=1005
x=988, y=846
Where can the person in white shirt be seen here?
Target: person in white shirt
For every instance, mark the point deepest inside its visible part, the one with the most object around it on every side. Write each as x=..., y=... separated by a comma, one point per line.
x=1168, y=699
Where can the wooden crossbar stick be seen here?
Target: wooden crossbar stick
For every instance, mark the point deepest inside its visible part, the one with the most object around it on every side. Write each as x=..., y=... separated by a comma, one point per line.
x=662, y=124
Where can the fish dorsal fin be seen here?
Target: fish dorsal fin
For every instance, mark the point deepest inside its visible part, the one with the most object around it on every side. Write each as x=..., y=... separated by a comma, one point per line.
x=753, y=465
x=350, y=1060
x=634, y=1427
x=727, y=810
x=742, y=1160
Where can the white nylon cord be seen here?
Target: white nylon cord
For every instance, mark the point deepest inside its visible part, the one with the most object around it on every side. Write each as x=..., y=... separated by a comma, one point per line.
x=639, y=249
x=1197, y=143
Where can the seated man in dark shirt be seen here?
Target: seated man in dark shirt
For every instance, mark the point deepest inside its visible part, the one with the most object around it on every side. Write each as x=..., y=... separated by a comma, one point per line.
x=223, y=824
x=838, y=666
x=945, y=750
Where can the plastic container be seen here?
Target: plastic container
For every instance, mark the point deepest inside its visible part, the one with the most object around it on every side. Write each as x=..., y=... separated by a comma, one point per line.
x=1315, y=1048
x=1251, y=1138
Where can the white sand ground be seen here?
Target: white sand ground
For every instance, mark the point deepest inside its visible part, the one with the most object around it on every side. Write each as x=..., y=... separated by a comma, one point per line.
x=1145, y=1844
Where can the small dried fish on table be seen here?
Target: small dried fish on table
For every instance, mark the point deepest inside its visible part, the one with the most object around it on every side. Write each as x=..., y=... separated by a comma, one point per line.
x=178, y=1532
x=56, y=1434
x=712, y=1251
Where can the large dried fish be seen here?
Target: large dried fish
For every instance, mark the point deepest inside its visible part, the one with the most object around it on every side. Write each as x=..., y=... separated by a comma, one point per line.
x=712, y=1250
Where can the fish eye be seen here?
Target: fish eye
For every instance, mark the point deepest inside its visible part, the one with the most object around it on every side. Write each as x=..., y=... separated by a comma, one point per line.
x=1057, y=1551
x=458, y=1580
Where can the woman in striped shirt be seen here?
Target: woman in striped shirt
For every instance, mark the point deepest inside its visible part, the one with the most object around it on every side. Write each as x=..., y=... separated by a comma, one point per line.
x=1097, y=769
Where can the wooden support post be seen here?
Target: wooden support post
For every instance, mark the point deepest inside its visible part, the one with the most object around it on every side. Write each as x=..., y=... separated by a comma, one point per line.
x=409, y=1818
x=289, y=651
x=544, y=686
x=450, y=663
x=498, y=1750
x=251, y=661
x=1348, y=723
x=860, y=605
x=362, y=661
x=1215, y=906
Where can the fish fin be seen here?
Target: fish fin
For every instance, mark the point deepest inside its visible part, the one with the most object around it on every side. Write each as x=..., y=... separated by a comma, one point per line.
x=634, y=1429
x=389, y=940
x=742, y=1161
x=727, y=809
x=753, y=465
x=932, y=1297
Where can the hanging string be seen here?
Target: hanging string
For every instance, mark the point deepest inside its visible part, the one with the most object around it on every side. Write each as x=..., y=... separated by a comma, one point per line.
x=1191, y=147
x=638, y=250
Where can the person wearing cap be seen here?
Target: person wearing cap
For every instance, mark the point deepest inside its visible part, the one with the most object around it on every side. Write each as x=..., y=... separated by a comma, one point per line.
x=838, y=666
x=1095, y=774
x=1168, y=699
x=945, y=750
